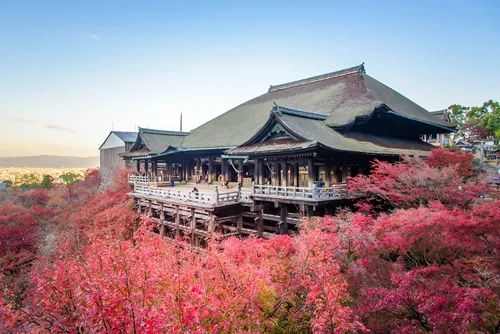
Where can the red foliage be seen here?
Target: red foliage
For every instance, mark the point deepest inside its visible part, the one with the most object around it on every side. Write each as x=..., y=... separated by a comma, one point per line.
x=33, y=197
x=444, y=158
x=17, y=229
x=413, y=183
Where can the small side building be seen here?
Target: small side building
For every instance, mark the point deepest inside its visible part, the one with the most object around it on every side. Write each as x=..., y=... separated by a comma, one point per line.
x=116, y=142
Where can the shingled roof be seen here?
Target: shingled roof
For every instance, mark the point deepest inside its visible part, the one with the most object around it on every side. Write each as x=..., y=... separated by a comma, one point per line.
x=153, y=141
x=308, y=130
x=343, y=96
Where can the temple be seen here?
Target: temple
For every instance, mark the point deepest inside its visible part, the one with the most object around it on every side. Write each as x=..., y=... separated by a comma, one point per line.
x=262, y=165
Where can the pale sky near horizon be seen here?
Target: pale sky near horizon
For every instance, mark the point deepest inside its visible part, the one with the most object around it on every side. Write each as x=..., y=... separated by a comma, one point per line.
x=69, y=69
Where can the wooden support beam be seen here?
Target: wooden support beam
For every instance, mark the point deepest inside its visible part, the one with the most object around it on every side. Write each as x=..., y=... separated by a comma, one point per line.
x=311, y=173
x=211, y=224
x=276, y=174
x=284, y=174
x=193, y=225
x=260, y=224
x=239, y=224
x=296, y=181
x=210, y=170
x=283, y=219
x=138, y=166
x=163, y=231
x=177, y=221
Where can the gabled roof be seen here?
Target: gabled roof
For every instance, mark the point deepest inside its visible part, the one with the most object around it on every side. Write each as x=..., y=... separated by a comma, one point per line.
x=441, y=114
x=344, y=96
x=126, y=137
x=306, y=130
x=153, y=141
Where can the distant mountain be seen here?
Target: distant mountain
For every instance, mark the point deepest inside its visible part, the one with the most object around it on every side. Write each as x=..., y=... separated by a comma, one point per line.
x=50, y=161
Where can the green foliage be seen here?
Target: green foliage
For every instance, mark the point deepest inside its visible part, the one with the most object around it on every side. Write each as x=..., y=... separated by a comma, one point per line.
x=47, y=182
x=27, y=181
x=477, y=122
x=70, y=178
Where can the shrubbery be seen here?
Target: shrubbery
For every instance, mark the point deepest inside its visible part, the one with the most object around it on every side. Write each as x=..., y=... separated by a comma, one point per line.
x=417, y=260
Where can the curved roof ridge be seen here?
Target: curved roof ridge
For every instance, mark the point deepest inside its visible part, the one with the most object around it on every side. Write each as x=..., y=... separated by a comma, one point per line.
x=299, y=112
x=326, y=76
x=163, y=132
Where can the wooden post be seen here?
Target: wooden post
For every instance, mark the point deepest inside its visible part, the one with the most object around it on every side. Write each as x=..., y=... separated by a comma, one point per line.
x=256, y=175
x=260, y=223
x=193, y=225
x=311, y=173
x=239, y=224
x=163, y=232
x=284, y=175
x=139, y=207
x=344, y=172
x=210, y=171
x=240, y=171
x=216, y=195
x=211, y=223
x=146, y=165
x=177, y=221
x=261, y=172
x=283, y=222
x=150, y=208
x=276, y=174
x=138, y=166
x=328, y=178
x=296, y=180
x=223, y=170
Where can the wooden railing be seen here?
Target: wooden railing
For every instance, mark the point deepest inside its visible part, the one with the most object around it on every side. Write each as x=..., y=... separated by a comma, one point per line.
x=139, y=178
x=333, y=192
x=213, y=198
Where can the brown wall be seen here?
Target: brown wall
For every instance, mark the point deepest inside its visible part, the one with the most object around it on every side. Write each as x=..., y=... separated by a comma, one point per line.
x=111, y=160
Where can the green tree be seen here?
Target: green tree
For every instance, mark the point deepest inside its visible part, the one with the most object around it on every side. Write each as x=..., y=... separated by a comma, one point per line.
x=476, y=122
x=491, y=118
x=70, y=177
x=27, y=181
x=47, y=182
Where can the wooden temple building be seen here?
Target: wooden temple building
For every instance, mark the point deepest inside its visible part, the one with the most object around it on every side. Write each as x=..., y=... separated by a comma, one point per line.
x=262, y=165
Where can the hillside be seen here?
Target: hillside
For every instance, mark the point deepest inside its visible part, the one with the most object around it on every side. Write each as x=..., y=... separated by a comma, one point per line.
x=50, y=161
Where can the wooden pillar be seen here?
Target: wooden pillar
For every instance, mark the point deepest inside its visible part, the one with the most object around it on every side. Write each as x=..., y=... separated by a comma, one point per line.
x=256, y=173
x=276, y=174
x=239, y=224
x=240, y=171
x=138, y=165
x=260, y=223
x=189, y=169
x=311, y=173
x=154, y=167
x=344, y=172
x=296, y=181
x=223, y=168
x=283, y=222
x=211, y=223
x=328, y=176
x=177, y=221
x=284, y=174
x=261, y=171
x=146, y=163
x=193, y=225
x=210, y=170
x=162, y=221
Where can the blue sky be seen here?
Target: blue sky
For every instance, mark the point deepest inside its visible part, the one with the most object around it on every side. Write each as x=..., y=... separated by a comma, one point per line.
x=69, y=69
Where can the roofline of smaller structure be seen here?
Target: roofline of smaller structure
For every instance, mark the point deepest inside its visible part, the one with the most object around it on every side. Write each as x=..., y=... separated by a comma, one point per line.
x=326, y=76
x=109, y=134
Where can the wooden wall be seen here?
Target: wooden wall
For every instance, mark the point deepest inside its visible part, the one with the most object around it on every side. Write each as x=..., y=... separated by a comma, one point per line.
x=110, y=160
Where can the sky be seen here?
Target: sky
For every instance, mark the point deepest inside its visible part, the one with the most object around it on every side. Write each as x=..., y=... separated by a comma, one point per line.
x=71, y=71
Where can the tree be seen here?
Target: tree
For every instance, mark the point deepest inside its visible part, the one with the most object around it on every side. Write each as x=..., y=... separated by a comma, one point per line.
x=27, y=181
x=47, y=182
x=70, y=177
x=479, y=122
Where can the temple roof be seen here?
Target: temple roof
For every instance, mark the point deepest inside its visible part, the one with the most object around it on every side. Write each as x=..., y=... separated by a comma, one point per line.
x=153, y=141
x=344, y=97
x=305, y=132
